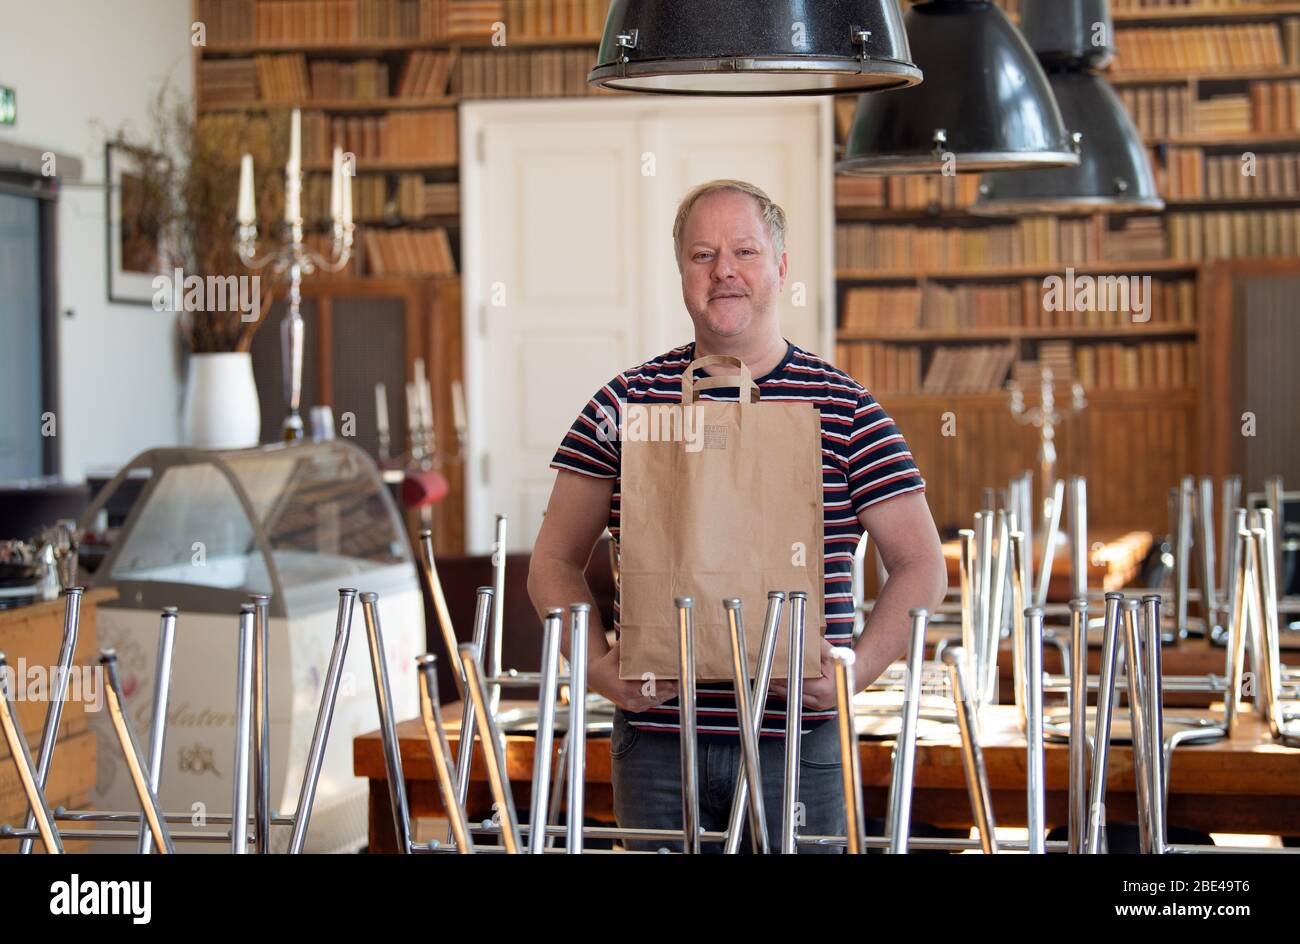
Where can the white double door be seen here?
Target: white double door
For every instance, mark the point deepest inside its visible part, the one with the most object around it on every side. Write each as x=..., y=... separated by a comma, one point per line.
x=568, y=268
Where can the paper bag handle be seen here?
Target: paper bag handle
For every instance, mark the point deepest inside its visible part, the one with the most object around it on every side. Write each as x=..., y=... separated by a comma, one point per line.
x=746, y=380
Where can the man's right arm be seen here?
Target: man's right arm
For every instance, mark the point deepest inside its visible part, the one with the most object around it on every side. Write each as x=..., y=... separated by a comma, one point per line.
x=575, y=518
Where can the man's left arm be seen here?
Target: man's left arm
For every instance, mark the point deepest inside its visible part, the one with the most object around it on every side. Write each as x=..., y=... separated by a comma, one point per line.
x=908, y=542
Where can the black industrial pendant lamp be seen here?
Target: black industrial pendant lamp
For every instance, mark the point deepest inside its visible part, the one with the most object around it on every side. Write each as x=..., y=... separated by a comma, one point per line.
x=1072, y=38
x=754, y=47
x=985, y=105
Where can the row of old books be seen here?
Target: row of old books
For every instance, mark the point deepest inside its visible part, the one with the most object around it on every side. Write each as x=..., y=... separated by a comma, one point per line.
x=953, y=307
x=1167, y=111
x=227, y=81
x=881, y=368
x=896, y=369
x=408, y=252
x=530, y=73
x=341, y=21
x=426, y=74
x=288, y=22
x=1222, y=114
x=1053, y=355
x=290, y=77
x=227, y=21
x=1066, y=300
x=907, y=248
x=1136, y=238
x=1198, y=48
x=881, y=309
x=396, y=252
x=362, y=78
x=1181, y=175
x=1159, y=111
x=1150, y=365
x=1107, y=301
x=1234, y=234
x=1275, y=106
x=418, y=198
x=423, y=137
x=547, y=19
x=1253, y=175
x=369, y=198
x=978, y=368
x=283, y=78
x=907, y=192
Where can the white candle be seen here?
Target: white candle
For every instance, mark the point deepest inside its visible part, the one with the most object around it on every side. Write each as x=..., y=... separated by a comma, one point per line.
x=295, y=141
x=426, y=404
x=412, y=410
x=336, y=187
x=292, y=196
x=458, y=404
x=347, y=194
x=381, y=407
x=246, y=213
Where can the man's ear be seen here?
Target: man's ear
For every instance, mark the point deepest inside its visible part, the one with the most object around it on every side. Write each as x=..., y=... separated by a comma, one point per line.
x=785, y=264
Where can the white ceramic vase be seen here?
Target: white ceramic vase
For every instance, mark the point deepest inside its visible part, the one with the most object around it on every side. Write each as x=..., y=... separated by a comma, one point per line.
x=221, y=408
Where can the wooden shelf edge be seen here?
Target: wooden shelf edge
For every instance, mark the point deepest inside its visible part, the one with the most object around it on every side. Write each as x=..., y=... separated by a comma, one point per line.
x=392, y=103
x=1011, y=333
x=366, y=46
x=1205, y=12
x=1139, y=266
x=944, y=401
x=1179, y=77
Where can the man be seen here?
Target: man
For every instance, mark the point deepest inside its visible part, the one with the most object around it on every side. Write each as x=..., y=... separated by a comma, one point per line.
x=730, y=242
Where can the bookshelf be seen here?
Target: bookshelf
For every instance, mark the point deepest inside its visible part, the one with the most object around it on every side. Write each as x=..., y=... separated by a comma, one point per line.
x=922, y=281
x=383, y=79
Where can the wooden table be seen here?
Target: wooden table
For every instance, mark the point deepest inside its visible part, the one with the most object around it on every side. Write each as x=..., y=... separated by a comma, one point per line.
x=1245, y=785
x=1114, y=561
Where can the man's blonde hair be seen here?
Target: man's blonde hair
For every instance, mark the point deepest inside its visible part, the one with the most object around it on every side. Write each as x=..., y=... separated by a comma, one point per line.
x=772, y=214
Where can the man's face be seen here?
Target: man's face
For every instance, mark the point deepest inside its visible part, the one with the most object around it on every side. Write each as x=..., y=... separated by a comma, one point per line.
x=731, y=274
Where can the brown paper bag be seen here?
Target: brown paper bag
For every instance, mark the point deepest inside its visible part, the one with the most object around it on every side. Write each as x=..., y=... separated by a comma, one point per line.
x=719, y=499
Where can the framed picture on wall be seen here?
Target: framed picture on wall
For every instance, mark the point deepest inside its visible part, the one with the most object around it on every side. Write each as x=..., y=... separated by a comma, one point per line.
x=135, y=231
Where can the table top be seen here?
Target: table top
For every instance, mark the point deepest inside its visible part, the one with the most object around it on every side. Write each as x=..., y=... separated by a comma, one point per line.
x=1114, y=560
x=1248, y=763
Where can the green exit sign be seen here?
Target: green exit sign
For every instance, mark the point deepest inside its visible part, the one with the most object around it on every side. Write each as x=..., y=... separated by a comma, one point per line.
x=8, y=105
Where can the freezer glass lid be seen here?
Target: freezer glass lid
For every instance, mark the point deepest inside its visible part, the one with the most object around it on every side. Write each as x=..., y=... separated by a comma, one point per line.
x=249, y=519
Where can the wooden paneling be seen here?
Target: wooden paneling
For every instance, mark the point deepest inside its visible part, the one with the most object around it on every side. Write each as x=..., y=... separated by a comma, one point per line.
x=1132, y=448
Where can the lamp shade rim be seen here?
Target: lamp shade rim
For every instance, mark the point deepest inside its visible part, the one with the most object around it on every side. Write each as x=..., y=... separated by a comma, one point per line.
x=1065, y=204
x=975, y=162
x=693, y=76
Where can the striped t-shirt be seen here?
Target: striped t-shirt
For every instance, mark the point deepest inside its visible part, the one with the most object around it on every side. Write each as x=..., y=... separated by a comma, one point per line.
x=864, y=461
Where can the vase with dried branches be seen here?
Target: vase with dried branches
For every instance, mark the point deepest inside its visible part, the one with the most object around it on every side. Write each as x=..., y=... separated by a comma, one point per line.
x=185, y=192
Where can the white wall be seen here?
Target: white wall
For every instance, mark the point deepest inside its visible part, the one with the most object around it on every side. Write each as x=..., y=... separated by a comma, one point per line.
x=82, y=69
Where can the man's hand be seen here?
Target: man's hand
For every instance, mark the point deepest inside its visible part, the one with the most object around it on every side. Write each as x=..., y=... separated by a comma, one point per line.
x=628, y=694
x=819, y=693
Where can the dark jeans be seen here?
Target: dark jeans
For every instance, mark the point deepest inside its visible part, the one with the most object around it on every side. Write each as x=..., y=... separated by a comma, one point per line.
x=647, y=777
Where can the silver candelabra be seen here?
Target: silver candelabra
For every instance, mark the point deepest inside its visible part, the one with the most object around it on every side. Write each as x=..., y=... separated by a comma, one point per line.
x=1046, y=416
x=293, y=258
